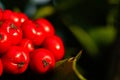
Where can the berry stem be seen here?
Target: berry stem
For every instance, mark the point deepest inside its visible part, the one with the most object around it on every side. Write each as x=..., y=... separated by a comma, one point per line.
x=45, y=63
x=0, y=36
x=20, y=65
x=13, y=26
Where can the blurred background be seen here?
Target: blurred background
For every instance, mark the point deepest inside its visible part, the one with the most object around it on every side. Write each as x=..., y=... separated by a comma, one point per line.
x=88, y=25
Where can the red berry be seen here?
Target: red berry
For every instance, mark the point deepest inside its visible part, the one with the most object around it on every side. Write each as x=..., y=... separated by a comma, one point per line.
x=5, y=42
x=1, y=14
x=1, y=68
x=6, y=14
x=14, y=32
x=16, y=60
x=55, y=45
x=15, y=18
x=27, y=44
x=33, y=32
x=42, y=61
x=46, y=25
x=23, y=17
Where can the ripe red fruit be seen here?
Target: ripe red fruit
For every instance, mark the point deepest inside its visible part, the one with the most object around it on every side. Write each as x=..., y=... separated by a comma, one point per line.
x=46, y=25
x=27, y=44
x=42, y=61
x=5, y=42
x=1, y=67
x=14, y=32
x=6, y=14
x=13, y=16
x=23, y=17
x=55, y=45
x=33, y=32
x=1, y=14
x=16, y=60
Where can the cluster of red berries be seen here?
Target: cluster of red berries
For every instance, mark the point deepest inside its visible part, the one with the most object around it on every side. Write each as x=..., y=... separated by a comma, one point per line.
x=27, y=43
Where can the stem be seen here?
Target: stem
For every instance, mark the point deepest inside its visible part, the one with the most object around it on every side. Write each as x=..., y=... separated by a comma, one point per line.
x=13, y=26
x=37, y=25
x=45, y=63
x=0, y=36
x=81, y=77
x=20, y=65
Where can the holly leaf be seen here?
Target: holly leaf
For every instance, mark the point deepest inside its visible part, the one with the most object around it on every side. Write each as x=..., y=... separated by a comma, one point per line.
x=44, y=11
x=67, y=69
x=83, y=37
x=103, y=35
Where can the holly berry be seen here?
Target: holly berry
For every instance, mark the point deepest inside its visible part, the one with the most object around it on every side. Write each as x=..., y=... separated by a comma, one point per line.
x=1, y=14
x=14, y=32
x=23, y=17
x=5, y=42
x=33, y=32
x=6, y=14
x=15, y=18
x=1, y=68
x=16, y=60
x=46, y=25
x=42, y=61
x=55, y=45
x=27, y=44
x=12, y=16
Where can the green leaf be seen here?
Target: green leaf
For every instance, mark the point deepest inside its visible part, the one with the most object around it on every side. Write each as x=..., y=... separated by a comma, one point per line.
x=113, y=1
x=103, y=35
x=67, y=70
x=75, y=66
x=65, y=4
x=112, y=15
x=83, y=37
x=44, y=11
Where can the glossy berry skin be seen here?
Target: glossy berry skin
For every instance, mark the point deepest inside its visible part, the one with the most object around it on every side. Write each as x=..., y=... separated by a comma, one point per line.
x=1, y=67
x=33, y=32
x=1, y=14
x=15, y=18
x=42, y=61
x=46, y=25
x=5, y=42
x=27, y=44
x=55, y=45
x=16, y=60
x=14, y=32
x=23, y=17
x=6, y=14
x=12, y=16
